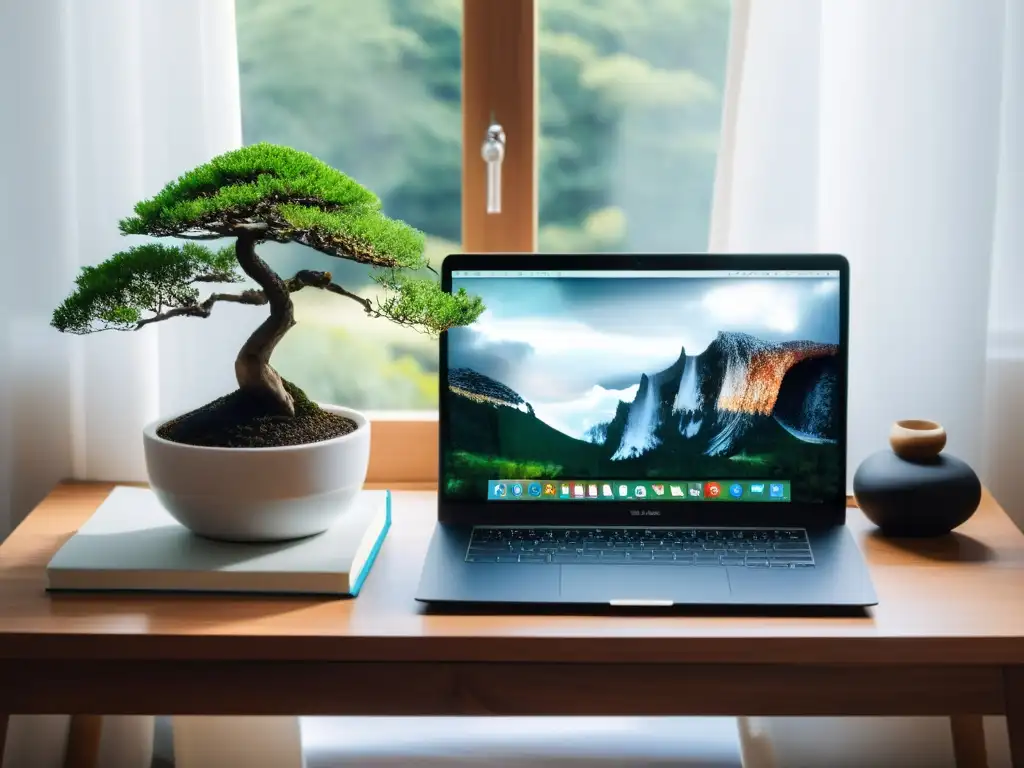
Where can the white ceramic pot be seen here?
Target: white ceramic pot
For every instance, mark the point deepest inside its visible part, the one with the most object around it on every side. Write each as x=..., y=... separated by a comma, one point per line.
x=259, y=494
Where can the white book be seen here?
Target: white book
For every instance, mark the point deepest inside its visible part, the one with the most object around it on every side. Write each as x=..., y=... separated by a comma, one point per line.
x=131, y=543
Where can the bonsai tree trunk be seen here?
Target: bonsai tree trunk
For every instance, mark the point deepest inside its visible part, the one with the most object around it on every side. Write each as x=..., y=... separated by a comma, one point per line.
x=252, y=366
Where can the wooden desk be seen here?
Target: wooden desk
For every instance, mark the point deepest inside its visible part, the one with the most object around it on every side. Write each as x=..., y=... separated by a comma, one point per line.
x=946, y=639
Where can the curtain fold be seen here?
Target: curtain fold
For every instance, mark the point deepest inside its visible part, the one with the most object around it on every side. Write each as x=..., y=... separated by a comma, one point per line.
x=112, y=99
x=875, y=129
x=36, y=201
x=154, y=92
x=1004, y=405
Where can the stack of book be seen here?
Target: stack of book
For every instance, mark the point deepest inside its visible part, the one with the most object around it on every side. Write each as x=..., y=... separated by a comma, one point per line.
x=131, y=543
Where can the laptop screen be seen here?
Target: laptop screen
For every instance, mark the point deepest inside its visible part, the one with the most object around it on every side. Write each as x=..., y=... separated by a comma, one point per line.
x=670, y=386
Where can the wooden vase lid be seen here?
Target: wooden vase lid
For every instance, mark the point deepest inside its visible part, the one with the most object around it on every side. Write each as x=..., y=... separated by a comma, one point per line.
x=917, y=439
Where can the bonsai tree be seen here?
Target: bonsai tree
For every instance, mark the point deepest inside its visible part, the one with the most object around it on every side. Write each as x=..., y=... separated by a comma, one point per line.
x=253, y=195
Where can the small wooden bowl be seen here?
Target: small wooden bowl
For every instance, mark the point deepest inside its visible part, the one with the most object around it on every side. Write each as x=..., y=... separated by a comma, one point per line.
x=917, y=439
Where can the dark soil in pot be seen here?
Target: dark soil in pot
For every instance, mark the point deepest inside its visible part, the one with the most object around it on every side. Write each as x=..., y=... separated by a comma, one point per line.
x=244, y=420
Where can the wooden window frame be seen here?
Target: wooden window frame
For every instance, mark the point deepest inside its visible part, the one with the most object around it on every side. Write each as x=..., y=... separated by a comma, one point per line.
x=499, y=78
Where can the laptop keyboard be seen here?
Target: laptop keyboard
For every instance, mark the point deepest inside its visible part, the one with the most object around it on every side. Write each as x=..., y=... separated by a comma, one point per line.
x=737, y=547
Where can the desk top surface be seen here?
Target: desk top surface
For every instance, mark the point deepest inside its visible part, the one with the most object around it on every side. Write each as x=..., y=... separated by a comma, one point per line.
x=954, y=600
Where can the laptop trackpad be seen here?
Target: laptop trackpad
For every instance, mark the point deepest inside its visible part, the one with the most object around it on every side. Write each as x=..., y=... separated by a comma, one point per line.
x=640, y=583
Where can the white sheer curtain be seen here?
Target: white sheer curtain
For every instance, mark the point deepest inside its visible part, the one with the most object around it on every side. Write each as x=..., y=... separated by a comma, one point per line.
x=107, y=100
x=887, y=131
x=892, y=131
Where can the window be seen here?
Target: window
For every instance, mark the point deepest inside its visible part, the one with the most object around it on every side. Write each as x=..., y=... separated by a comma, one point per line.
x=612, y=111
x=630, y=107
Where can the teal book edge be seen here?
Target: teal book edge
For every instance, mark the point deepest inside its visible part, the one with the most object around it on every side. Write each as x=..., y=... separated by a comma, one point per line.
x=358, y=583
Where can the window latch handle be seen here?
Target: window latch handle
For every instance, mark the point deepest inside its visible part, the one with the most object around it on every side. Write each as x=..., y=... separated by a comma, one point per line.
x=493, y=153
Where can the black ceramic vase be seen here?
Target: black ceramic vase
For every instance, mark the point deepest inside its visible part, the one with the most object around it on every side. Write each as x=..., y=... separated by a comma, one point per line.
x=915, y=489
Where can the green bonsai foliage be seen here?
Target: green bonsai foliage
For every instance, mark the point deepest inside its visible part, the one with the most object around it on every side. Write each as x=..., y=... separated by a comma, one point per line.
x=257, y=194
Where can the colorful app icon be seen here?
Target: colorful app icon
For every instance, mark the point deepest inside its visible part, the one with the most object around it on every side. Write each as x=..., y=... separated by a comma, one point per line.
x=775, y=490
x=606, y=490
x=696, y=490
x=736, y=490
x=577, y=490
x=623, y=490
x=592, y=491
x=534, y=489
x=659, y=490
x=757, y=487
x=711, y=490
x=549, y=489
x=640, y=492
x=517, y=490
x=676, y=490
x=500, y=489
x=565, y=489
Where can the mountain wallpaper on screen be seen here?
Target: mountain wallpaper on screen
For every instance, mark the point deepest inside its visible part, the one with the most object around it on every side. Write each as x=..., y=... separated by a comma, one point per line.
x=727, y=403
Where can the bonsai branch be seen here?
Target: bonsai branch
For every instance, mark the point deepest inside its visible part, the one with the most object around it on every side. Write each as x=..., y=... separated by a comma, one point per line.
x=335, y=288
x=251, y=226
x=204, y=309
x=304, y=279
x=199, y=236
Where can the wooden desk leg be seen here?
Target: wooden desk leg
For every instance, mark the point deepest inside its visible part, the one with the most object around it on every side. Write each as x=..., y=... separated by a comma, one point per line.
x=3, y=736
x=969, y=741
x=83, y=750
x=1013, y=690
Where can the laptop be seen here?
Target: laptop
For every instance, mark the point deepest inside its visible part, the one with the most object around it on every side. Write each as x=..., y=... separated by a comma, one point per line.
x=646, y=430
